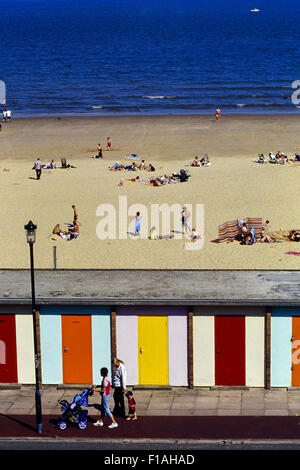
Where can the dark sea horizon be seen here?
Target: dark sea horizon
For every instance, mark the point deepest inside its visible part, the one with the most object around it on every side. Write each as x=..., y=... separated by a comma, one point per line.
x=149, y=57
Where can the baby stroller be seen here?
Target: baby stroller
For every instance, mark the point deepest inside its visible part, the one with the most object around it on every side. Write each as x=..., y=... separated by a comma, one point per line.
x=72, y=412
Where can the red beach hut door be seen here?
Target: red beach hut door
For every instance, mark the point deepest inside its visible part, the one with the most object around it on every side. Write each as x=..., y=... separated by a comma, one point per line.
x=8, y=350
x=230, y=350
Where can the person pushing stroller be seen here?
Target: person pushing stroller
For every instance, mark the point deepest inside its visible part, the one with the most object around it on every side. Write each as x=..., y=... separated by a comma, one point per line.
x=104, y=390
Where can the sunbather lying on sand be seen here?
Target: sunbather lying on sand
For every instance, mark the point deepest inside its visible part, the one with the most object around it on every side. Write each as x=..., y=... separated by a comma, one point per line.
x=50, y=165
x=264, y=237
x=117, y=166
x=70, y=234
x=294, y=236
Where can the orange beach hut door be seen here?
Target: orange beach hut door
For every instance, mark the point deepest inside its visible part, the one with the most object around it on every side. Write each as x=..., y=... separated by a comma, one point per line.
x=153, y=357
x=77, y=349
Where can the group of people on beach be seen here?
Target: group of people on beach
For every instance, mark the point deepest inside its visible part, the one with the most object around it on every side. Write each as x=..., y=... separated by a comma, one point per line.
x=38, y=166
x=204, y=161
x=180, y=177
x=6, y=115
x=247, y=235
x=119, y=383
x=99, y=153
x=278, y=158
x=134, y=166
x=185, y=222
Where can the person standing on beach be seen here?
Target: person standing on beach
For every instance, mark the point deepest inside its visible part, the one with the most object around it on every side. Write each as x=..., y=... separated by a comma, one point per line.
x=185, y=215
x=138, y=219
x=218, y=113
x=119, y=383
x=37, y=166
x=109, y=143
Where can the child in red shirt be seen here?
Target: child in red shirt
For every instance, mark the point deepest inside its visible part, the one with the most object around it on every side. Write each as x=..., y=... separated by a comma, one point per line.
x=131, y=406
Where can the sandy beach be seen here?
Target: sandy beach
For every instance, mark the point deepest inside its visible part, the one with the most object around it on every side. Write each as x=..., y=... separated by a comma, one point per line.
x=233, y=187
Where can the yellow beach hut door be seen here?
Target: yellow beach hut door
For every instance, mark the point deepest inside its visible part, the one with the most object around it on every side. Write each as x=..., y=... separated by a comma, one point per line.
x=153, y=354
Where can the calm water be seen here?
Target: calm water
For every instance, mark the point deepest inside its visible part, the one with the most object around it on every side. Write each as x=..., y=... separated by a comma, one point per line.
x=149, y=56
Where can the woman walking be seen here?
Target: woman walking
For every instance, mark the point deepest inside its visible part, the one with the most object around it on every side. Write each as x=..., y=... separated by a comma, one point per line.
x=119, y=383
x=105, y=394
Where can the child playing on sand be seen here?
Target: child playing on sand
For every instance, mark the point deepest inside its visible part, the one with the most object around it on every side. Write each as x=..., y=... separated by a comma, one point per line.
x=131, y=407
x=194, y=235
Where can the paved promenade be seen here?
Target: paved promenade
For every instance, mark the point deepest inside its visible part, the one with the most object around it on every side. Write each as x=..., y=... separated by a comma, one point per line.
x=174, y=402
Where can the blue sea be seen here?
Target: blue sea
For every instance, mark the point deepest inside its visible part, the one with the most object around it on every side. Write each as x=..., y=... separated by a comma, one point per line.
x=148, y=57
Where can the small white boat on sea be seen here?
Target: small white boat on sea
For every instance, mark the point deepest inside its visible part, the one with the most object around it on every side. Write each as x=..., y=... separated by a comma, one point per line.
x=255, y=10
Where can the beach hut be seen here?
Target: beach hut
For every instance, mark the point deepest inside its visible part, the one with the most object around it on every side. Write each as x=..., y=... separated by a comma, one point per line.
x=229, y=346
x=153, y=343
x=75, y=343
x=16, y=345
x=172, y=328
x=285, y=347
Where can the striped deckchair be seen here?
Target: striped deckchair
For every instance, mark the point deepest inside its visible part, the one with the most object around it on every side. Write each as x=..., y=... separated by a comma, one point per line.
x=229, y=230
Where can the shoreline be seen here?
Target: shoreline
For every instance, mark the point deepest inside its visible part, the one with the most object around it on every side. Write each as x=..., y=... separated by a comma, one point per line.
x=154, y=115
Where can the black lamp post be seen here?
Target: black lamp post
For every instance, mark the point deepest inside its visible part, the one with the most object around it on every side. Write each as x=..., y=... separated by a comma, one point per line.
x=30, y=235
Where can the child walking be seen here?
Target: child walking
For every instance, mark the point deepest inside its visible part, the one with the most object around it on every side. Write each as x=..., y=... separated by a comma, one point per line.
x=131, y=406
x=105, y=394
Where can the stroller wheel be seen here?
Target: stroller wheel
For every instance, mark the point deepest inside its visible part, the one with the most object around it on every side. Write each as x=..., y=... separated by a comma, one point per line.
x=82, y=424
x=62, y=425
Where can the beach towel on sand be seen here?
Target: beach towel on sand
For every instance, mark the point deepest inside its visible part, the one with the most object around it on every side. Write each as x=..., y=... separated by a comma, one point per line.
x=229, y=230
x=132, y=156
